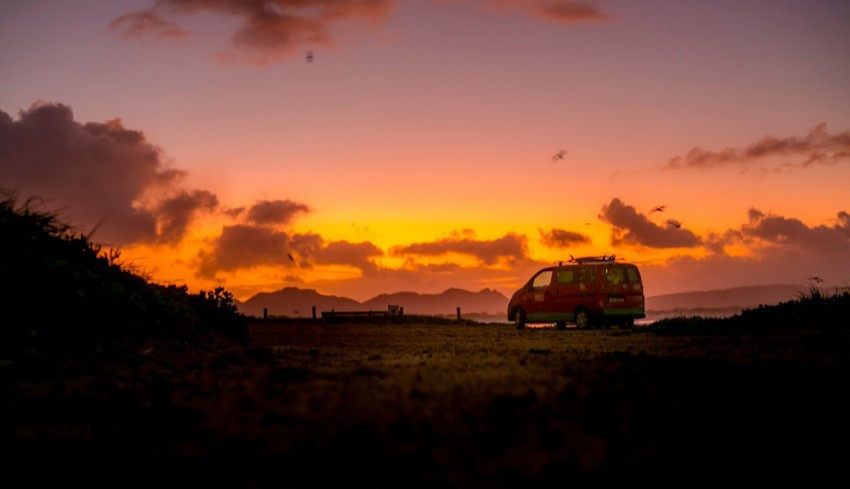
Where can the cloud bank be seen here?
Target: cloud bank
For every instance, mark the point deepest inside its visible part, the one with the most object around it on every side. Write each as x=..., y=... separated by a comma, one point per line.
x=100, y=172
x=268, y=31
x=271, y=31
x=818, y=147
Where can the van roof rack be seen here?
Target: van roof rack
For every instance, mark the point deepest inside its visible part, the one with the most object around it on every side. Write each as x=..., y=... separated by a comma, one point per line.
x=593, y=259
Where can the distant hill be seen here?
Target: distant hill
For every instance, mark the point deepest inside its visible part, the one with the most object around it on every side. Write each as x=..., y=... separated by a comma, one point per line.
x=295, y=302
x=735, y=298
x=485, y=301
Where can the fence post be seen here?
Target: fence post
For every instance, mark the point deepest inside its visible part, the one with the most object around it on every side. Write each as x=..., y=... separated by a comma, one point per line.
x=314, y=312
x=458, y=314
x=265, y=313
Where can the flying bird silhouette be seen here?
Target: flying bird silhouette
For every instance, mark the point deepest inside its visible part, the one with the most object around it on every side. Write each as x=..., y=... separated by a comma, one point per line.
x=291, y=258
x=658, y=208
x=559, y=155
x=672, y=222
x=816, y=279
x=309, y=56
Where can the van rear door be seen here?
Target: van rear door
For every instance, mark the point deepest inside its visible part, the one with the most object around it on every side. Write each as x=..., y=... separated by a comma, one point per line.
x=623, y=291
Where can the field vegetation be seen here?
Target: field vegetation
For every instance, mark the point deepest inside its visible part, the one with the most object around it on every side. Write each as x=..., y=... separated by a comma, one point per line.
x=109, y=379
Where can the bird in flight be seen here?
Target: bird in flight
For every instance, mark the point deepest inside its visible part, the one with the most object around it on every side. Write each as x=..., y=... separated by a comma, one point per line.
x=559, y=155
x=658, y=208
x=816, y=279
x=309, y=56
x=672, y=222
x=291, y=258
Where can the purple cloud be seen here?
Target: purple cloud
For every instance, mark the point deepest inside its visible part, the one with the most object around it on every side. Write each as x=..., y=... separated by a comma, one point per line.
x=95, y=175
x=269, y=31
x=818, y=147
x=561, y=238
x=510, y=248
x=633, y=228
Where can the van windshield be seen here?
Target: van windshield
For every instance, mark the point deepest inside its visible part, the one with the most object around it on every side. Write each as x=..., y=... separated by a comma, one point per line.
x=542, y=279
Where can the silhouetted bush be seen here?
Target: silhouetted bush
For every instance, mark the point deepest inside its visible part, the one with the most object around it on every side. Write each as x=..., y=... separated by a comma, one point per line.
x=58, y=286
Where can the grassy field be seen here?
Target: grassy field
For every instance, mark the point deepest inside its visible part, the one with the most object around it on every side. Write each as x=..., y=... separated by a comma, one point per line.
x=443, y=404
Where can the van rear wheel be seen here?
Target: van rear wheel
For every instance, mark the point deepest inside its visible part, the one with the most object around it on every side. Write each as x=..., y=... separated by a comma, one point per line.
x=582, y=319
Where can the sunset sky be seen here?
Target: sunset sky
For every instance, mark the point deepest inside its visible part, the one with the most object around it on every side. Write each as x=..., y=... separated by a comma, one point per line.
x=417, y=151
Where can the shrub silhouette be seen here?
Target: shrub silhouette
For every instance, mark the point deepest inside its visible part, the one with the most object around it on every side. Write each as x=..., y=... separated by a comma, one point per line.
x=817, y=309
x=59, y=287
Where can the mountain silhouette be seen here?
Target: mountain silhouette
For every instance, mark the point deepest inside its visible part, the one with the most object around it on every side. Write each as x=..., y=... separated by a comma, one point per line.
x=295, y=302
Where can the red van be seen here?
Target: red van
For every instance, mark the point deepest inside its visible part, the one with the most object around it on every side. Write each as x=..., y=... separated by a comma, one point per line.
x=588, y=291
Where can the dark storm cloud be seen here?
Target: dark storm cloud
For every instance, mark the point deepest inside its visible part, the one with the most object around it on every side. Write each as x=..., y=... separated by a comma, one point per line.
x=790, y=232
x=176, y=213
x=561, y=238
x=243, y=247
x=818, y=147
x=275, y=212
x=359, y=255
x=511, y=248
x=246, y=246
x=268, y=31
x=633, y=228
x=94, y=175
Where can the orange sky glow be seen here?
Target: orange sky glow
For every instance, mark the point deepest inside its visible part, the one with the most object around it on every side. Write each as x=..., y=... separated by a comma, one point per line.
x=417, y=150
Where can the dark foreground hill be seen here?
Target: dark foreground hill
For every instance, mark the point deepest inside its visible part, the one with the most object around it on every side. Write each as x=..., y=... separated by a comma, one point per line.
x=60, y=288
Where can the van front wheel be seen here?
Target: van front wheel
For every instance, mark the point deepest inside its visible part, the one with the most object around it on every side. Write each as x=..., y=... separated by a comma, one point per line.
x=520, y=319
x=582, y=319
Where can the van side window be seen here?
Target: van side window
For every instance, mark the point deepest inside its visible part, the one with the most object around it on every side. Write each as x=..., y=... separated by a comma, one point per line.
x=542, y=280
x=633, y=275
x=587, y=274
x=614, y=275
x=565, y=276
